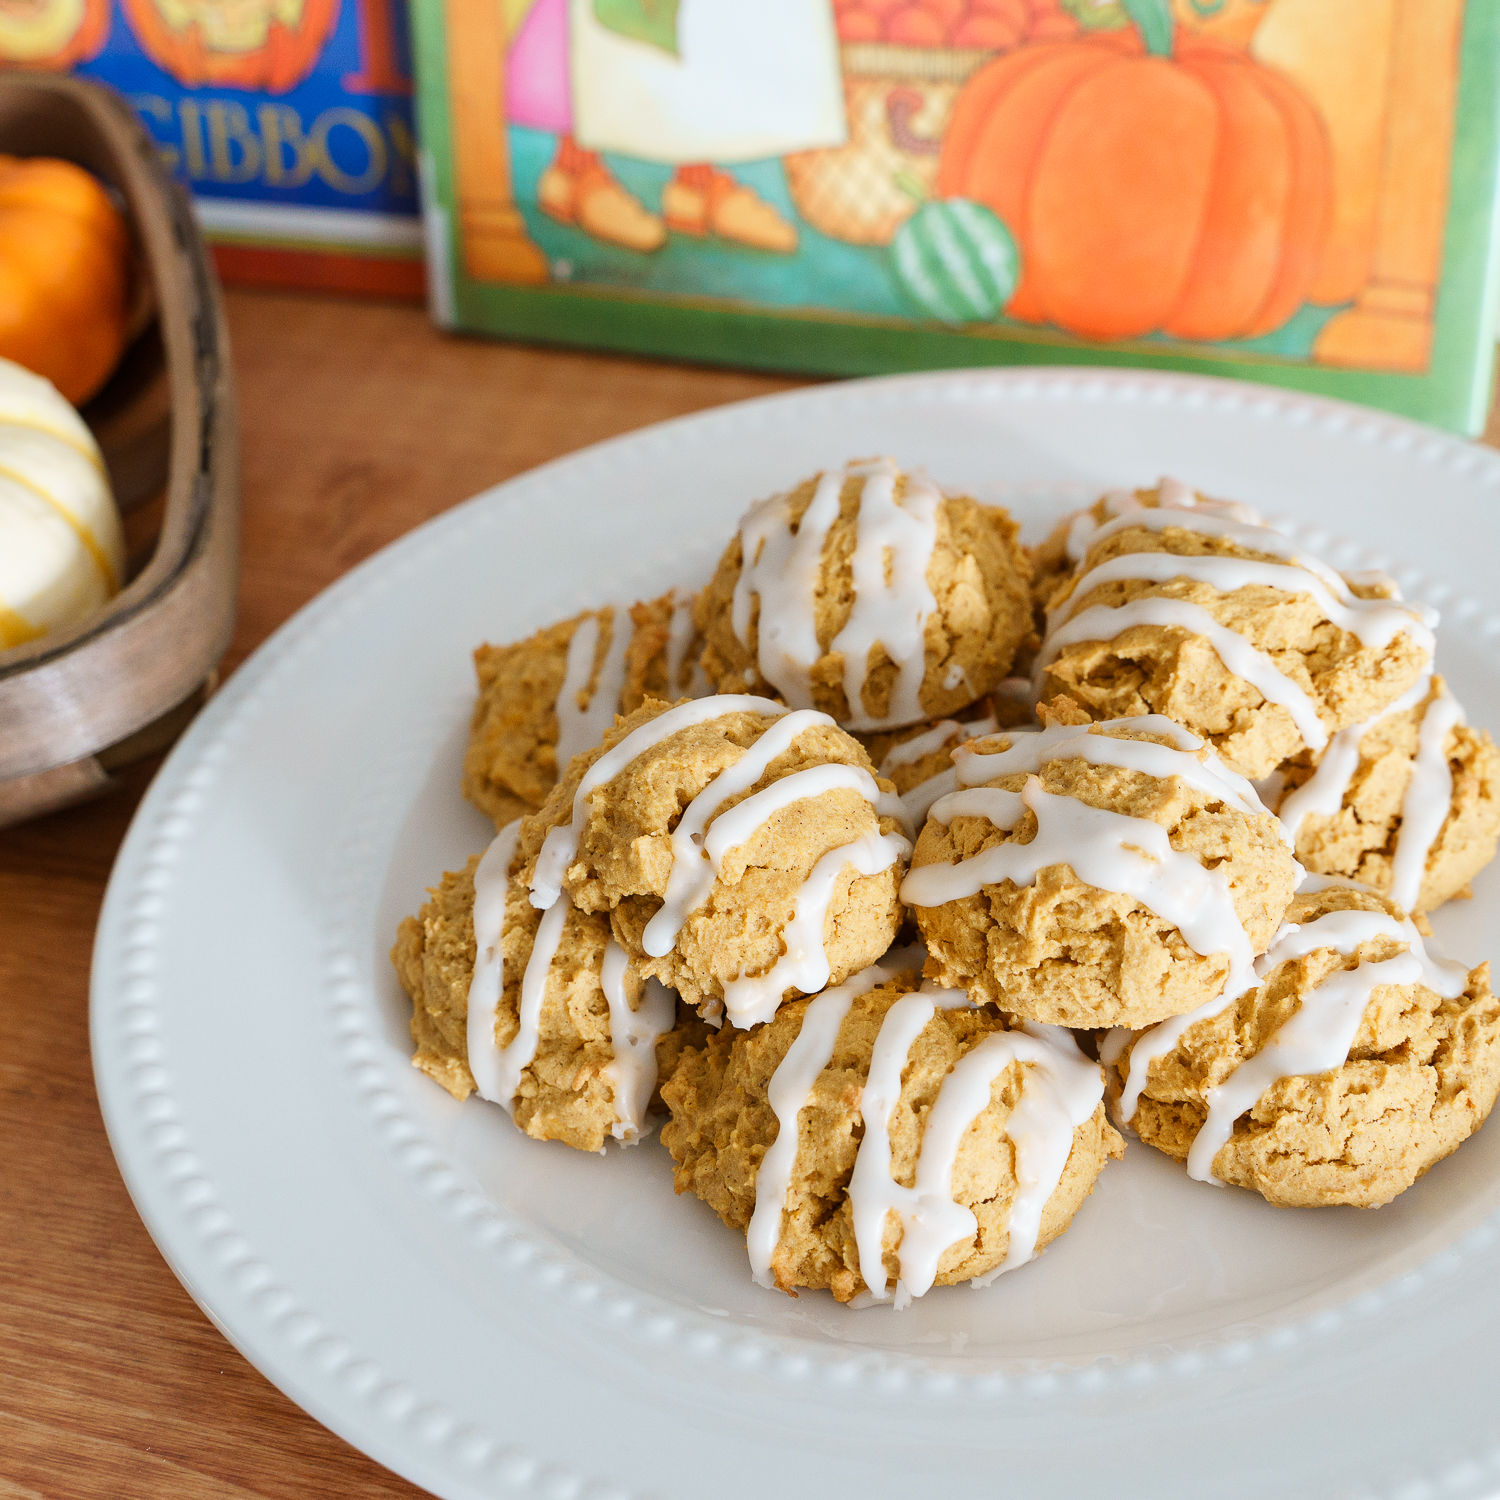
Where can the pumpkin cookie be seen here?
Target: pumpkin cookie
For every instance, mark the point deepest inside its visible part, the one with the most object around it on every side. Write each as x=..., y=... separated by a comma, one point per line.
x=868, y=594
x=1109, y=875
x=742, y=854
x=1056, y=559
x=1229, y=630
x=1408, y=803
x=1355, y=1064
x=877, y=1125
x=565, y=1033
x=544, y=699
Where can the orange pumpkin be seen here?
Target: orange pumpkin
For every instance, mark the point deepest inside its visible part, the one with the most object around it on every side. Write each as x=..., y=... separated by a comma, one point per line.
x=64, y=274
x=204, y=49
x=1170, y=186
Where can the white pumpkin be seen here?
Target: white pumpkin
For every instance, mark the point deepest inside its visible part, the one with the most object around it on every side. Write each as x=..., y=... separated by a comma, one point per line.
x=61, y=551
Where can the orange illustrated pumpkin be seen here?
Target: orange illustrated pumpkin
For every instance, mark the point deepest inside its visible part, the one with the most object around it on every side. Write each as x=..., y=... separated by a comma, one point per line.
x=65, y=270
x=1155, y=182
x=238, y=44
x=52, y=33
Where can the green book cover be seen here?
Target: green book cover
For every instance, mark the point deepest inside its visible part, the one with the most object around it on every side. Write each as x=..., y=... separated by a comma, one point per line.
x=1301, y=192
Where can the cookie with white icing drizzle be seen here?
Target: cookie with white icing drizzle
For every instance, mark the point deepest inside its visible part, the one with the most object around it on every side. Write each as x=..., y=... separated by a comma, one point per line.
x=880, y=1122
x=1357, y=1062
x=541, y=1013
x=867, y=593
x=1228, y=629
x=1408, y=802
x=1098, y=875
x=1055, y=560
x=544, y=699
x=744, y=854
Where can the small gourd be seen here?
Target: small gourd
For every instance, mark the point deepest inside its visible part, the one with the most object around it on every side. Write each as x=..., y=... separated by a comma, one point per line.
x=61, y=550
x=64, y=274
x=956, y=261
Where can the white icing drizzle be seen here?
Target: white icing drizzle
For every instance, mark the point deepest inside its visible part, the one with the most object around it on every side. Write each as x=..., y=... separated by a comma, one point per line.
x=512, y=1061
x=1428, y=798
x=1060, y=1089
x=580, y=729
x=934, y=739
x=1374, y=621
x=1444, y=978
x=693, y=869
x=1060, y=1093
x=632, y=1036
x=1126, y=509
x=1105, y=849
x=750, y=999
x=1192, y=762
x=1429, y=792
x=892, y=602
x=1101, y=622
x=561, y=843
x=782, y=568
x=1322, y=794
x=698, y=855
x=1318, y=1035
x=873, y=1192
x=788, y=1092
x=491, y=882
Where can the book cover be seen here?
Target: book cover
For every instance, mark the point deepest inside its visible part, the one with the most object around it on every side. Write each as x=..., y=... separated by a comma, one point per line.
x=290, y=120
x=1295, y=191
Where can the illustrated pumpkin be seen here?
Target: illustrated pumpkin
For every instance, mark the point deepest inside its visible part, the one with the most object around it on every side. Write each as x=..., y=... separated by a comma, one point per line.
x=1154, y=182
x=61, y=552
x=956, y=261
x=64, y=274
x=52, y=33
x=239, y=44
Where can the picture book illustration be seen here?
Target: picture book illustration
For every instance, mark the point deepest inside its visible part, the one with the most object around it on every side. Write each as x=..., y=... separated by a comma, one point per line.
x=1265, y=179
x=290, y=120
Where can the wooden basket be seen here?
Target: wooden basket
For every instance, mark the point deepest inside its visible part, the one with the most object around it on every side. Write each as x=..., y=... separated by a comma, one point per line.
x=80, y=702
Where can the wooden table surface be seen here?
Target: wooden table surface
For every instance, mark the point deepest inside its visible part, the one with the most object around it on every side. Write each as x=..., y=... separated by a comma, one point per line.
x=359, y=422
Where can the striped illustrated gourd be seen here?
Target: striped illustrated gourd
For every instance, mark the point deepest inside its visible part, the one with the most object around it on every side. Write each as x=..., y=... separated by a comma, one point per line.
x=62, y=554
x=957, y=261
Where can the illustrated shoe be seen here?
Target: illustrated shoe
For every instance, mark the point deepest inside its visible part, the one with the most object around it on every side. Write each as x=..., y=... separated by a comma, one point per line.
x=578, y=189
x=703, y=200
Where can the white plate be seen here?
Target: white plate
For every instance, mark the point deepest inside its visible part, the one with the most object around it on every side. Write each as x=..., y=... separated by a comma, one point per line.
x=490, y=1316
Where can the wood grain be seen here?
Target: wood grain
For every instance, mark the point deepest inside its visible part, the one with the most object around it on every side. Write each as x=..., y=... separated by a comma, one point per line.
x=358, y=423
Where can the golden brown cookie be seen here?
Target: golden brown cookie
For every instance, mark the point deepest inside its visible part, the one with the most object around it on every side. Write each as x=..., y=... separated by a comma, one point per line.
x=741, y=854
x=868, y=595
x=544, y=699
x=835, y=1186
x=1342, y=1077
x=569, y=1088
x=1229, y=631
x=1347, y=807
x=1108, y=876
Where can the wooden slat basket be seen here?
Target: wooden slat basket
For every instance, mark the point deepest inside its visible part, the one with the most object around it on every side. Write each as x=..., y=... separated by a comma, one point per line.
x=77, y=704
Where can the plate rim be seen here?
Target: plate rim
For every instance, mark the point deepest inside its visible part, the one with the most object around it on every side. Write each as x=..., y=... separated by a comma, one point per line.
x=165, y=807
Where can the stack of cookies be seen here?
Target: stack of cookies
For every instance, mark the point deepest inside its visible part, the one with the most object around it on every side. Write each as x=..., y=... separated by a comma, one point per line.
x=893, y=862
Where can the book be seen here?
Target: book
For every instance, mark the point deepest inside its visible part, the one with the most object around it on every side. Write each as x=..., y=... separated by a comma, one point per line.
x=1301, y=192
x=290, y=121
